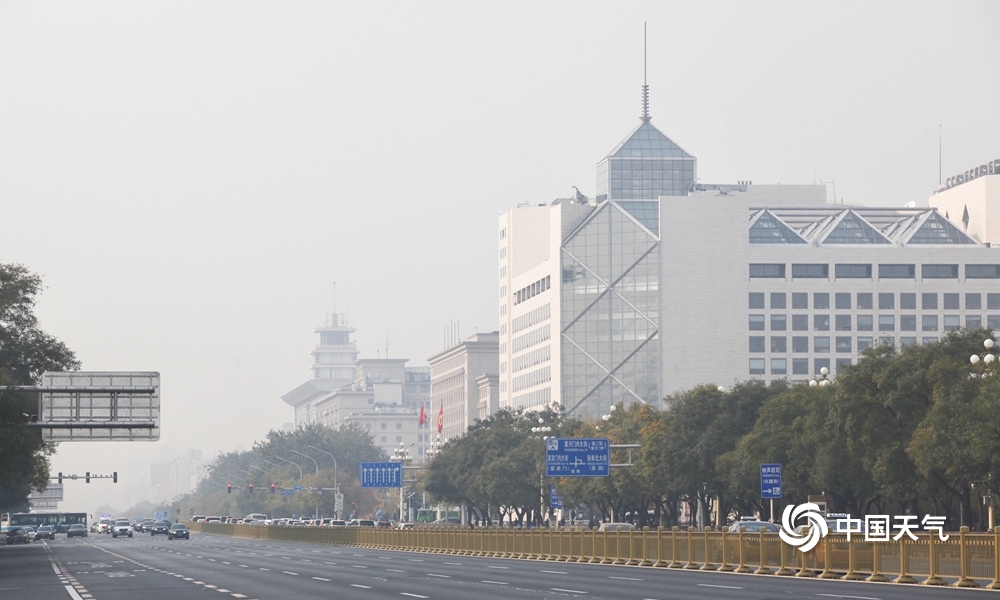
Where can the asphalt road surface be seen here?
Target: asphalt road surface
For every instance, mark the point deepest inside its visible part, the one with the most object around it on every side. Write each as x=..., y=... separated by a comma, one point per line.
x=99, y=567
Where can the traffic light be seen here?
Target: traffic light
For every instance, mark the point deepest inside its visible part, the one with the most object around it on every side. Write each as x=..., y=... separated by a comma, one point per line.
x=88, y=476
x=274, y=488
x=60, y=477
x=229, y=488
x=114, y=477
x=251, y=488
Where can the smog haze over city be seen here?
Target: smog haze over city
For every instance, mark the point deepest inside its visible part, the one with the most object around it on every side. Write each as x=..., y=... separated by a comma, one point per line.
x=200, y=183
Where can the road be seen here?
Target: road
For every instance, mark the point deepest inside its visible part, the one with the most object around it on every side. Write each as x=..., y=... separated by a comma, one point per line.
x=151, y=568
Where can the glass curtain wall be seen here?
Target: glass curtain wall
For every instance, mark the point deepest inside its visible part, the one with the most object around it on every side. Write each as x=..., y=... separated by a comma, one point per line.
x=610, y=300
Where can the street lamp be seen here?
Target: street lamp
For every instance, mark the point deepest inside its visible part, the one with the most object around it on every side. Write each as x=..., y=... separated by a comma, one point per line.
x=822, y=379
x=310, y=458
x=334, y=459
x=402, y=455
x=987, y=356
x=291, y=463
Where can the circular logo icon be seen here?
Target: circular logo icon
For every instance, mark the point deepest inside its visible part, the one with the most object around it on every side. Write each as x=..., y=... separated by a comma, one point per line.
x=817, y=526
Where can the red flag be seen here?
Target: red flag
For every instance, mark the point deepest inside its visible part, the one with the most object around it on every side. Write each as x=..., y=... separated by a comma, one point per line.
x=441, y=418
x=423, y=415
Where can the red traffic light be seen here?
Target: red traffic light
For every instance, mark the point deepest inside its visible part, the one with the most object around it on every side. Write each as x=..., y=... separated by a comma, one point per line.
x=274, y=487
x=251, y=488
x=229, y=488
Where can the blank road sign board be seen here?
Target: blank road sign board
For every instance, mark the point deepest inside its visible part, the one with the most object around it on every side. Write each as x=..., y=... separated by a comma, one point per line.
x=381, y=474
x=577, y=457
x=100, y=406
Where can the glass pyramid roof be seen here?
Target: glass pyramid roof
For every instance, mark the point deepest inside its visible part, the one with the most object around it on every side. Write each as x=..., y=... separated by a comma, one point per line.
x=852, y=229
x=646, y=141
x=647, y=213
x=768, y=229
x=937, y=230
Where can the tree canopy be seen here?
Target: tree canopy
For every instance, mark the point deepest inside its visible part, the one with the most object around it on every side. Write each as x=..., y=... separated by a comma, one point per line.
x=25, y=353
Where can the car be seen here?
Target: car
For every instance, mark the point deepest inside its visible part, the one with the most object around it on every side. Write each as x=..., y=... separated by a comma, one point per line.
x=30, y=530
x=159, y=527
x=104, y=526
x=384, y=524
x=338, y=523
x=17, y=535
x=404, y=525
x=76, y=530
x=753, y=525
x=145, y=524
x=178, y=530
x=614, y=527
x=45, y=531
x=197, y=518
x=121, y=528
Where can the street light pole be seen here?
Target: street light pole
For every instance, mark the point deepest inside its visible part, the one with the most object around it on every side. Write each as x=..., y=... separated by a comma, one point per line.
x=291, y=463
x=402, y=454
x=332, y=457
x=310, y=458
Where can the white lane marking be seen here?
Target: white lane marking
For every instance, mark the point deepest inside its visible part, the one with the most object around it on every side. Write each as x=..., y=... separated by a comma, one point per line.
x=224, y=591
x=243, y=566
x=626, y=578
x=494, y=582
x=395, y=570
x=496, y=567
x=330, y=563
x=72, y=593
x=725, y=587
x=454, y=564
x=364, y=587
x=856, y=597
x=289, y=573
x=568, y=591
x=262, y=569
x=238, y=596
x=320, y=579
x=55, y=568
x=226, y=563
x=358, y=567
x=436, y=575
x=553, y=572
x=412, y=595
x=416, y=560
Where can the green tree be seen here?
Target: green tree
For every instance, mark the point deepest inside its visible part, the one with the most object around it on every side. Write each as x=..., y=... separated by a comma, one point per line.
x=25, y=353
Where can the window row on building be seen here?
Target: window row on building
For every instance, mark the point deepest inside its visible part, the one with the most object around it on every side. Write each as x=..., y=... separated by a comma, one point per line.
x=532, y=290
x=535, y=336
x=820, y=344
x=865, y=300
x=531, y=318
x=864, y=271
x=884, y=322
x=531, y=359
x=532, y=378
x=534, y=398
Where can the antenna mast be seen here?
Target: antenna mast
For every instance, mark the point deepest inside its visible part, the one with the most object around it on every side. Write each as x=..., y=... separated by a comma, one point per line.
x=645, y=88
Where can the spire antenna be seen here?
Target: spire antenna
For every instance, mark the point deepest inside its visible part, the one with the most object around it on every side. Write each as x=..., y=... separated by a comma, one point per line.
x=645, y=88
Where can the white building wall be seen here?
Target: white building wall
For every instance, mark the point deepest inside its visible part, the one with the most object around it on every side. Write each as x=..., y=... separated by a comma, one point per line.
x=705, y=287
x=981, y=197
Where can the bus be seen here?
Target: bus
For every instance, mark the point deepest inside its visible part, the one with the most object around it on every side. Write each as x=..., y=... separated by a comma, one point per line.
x=60, y=521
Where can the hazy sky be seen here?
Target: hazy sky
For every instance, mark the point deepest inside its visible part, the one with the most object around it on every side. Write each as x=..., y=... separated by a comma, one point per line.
x=191, y=178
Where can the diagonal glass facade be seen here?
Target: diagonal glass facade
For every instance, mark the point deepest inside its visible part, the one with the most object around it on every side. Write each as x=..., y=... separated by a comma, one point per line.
x=610, y=301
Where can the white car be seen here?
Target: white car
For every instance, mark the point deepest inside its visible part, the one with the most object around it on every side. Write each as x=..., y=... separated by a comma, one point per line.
x=121, y=527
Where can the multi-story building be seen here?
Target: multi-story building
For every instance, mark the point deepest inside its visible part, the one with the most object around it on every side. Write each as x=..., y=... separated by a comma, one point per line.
x=661, y=283
x=332, y=368
x=457, y=391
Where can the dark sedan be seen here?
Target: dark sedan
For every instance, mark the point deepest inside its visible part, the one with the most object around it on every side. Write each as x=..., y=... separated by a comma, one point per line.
x=178, y=530
x=159, y=527
x=17, y=535
x=45, y=531
x=76, y=530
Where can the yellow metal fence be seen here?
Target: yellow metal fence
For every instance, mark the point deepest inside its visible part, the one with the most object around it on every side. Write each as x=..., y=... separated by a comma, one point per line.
x=964, y=560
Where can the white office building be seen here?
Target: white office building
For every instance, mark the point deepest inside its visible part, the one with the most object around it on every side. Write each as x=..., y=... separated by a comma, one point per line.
x=463, y=384
x=660, y=283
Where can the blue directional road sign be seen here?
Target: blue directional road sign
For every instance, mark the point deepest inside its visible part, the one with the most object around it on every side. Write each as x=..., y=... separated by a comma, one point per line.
x=556, y=501
x=287, y=492
x=577, y=457
x=770, y=481
x=381, y=474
